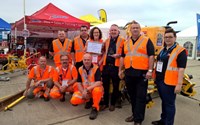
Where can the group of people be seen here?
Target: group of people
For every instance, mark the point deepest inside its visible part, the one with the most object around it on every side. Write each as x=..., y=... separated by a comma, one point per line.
x=87, y=74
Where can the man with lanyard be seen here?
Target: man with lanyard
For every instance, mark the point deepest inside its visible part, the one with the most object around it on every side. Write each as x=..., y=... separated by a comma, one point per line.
x=113, y=46
x=78, y=46
x=170, y=67
x=60, y=46
x=64, y=79
x=42, y=76
x=89, y=85
x=138, y=60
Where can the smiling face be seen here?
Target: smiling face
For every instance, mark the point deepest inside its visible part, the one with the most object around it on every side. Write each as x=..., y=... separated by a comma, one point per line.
x=87, y=60
x=64, y=61
x=114, y=31
x=96, y=34
x=42, y=62
x=61, y=35
x=170, y=37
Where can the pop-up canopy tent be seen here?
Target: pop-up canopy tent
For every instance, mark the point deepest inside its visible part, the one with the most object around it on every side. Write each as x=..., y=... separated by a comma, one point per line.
x=91, y=19
x=49, y=19
x=4, y=26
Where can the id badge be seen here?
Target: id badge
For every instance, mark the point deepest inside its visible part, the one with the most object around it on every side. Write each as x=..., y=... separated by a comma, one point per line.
x=64, y=83
x=94, y=58
x=159, y=66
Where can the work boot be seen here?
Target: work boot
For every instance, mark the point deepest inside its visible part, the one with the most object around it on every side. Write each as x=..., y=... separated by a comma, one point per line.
x=63, y=98
x=137, y=123
x=118, y=104
x=46, y=99
x=88, y=105
x=129, y=119
x=103, y=107
x=158, y=122
x=93, y=114
x=112, y=108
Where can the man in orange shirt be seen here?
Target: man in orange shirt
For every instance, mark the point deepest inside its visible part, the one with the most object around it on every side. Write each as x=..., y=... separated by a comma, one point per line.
x=64, y=79
x=42, y=76
x=78, y=46
x=60, y=46
x=89, y=85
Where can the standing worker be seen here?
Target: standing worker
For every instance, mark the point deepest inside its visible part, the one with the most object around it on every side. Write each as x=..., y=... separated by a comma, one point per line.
x=42, y=75
x=89, y=85
x=138, y=60
x=60, y=46
x=96, y=36
x=78, y=46
x=113, y=46
x=64, y=79
x=170, y=67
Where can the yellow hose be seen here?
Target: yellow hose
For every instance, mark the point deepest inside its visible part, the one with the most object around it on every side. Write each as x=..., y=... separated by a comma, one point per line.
x=14, y=103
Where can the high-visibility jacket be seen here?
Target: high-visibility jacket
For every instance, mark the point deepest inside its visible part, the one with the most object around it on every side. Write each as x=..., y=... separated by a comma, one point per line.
x=70, y=74
x=136, y=55
x=87, y=79
x=119, y=46
x=60, y=49
x=37, y=74
x=171, y=73
x=60, y=75
x=79, y=49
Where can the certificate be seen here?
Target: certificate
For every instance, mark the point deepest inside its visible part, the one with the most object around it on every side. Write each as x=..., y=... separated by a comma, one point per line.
x=94, y=47
x=64, y=83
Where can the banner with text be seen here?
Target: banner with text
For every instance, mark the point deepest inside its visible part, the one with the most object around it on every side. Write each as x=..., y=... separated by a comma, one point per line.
x=198, y=37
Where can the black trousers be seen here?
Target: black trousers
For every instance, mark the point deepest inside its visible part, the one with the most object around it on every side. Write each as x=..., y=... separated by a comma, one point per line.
x=137, y=90
x=110, y=73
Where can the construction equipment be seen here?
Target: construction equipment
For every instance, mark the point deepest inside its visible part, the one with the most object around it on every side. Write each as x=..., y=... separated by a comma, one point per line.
x=16, y=64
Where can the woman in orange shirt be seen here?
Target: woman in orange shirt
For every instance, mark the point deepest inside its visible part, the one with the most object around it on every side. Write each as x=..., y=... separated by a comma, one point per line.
x=96, y=36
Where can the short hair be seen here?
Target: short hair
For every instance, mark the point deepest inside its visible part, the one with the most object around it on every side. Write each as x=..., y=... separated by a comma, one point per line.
x=64, y=55
x=84, y=26
x=171, y=30
x=92, y=31
x=115, y=25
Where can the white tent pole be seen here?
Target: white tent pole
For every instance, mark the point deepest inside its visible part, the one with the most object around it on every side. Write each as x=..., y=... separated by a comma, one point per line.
x=24, y=28
x=15, y=34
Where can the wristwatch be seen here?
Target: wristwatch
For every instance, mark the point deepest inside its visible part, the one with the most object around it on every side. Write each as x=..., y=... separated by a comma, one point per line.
x=150, y=70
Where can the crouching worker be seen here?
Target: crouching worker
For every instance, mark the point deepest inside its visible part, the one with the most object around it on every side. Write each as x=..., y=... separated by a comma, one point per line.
x=64, y=79
x=89, y=85
x=42, y=76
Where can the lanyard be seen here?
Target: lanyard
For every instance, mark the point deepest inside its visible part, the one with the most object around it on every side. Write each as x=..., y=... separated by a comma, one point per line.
x=42, y=73
x=85, y=75
x=64, y=73
x=164, y=52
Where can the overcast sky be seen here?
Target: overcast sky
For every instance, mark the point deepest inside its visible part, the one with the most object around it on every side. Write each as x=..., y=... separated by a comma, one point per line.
x=146, y=12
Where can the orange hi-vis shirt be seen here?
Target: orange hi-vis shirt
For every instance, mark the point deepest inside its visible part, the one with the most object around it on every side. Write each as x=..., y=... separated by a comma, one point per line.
x=60, y=49
x=136, y=55
x=87, y=79
x=79, y=49
x=37, y=73
x=119, y=46
x=171, y=74
x=69, y=74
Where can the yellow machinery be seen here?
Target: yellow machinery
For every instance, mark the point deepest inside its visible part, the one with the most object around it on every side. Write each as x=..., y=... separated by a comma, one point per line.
x=16, y=64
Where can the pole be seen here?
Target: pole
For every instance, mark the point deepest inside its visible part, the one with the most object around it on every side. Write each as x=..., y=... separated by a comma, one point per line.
x=24, y=29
